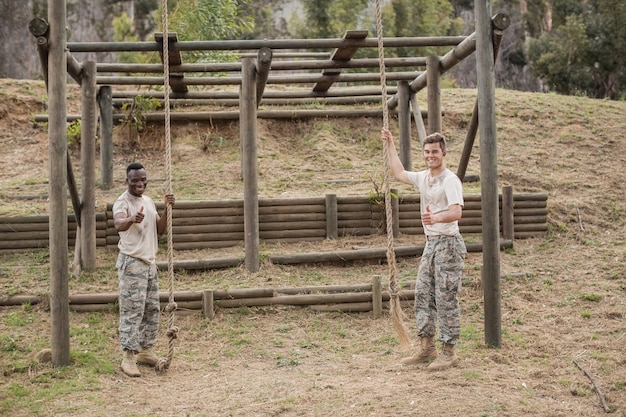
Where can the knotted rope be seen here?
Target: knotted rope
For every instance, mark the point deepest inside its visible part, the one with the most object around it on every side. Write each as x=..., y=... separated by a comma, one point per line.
x=394, y=306
x=172, y=332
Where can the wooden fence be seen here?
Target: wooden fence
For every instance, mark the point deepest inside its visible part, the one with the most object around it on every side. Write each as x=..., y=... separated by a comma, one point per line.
x=217, y=224
x=347, y=298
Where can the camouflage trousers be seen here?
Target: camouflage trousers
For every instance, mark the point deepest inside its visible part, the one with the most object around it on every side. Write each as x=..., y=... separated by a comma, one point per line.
x=437, y=288
x=139, y=303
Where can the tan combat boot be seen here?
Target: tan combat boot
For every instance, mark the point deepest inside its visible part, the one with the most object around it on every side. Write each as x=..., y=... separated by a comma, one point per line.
x=427, y=353
x=445, y=361
x=147, y=357
x=129, y=364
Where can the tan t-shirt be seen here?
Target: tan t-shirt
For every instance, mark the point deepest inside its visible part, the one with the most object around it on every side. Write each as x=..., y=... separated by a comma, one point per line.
x=140, y=240
x=438, y=193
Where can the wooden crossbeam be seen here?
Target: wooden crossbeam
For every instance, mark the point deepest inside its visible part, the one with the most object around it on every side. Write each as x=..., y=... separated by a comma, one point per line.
x=177, y=79
x=340, y=54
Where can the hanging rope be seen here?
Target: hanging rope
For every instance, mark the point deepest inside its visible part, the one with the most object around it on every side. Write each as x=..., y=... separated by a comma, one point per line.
x=394, y=307
x=172, y=330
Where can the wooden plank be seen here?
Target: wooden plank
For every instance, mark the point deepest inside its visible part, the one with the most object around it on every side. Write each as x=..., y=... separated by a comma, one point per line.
x=176, y=79
x=341, y=54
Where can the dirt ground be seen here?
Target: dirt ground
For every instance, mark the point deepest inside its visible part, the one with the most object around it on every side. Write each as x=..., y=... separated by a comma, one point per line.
x=563, y=295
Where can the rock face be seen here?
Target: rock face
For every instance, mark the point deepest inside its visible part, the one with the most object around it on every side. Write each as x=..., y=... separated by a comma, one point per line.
x=87, y=21
x=18, y=53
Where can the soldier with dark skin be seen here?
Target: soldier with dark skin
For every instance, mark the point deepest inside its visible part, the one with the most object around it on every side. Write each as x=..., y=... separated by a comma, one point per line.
x=139, y=224
x=441, y=266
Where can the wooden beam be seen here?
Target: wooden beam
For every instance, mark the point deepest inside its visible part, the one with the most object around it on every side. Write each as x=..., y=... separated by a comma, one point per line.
x=473, y=126
x=105, y=104
x=57, y=153
x=434, y=94
x=276, y=94
x=234, y=115
x=264, y=61
x=404, y=126
x=490, y=273
x=343, y=54
x=461, y=51
x=177, y=79
x=409, y=62
x=272, y=79
x=230, y=45
x=89, y=123
x=249, y=163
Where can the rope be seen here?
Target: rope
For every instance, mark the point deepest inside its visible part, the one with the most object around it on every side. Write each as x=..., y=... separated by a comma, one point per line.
x=172, y=332
x=395, y=307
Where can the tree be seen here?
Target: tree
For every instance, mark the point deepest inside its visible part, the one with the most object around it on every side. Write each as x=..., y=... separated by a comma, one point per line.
x=266, y=24
x=329, y=18
x=587, y=53
x=559, y=57
x=420, y=18
x=207, y=20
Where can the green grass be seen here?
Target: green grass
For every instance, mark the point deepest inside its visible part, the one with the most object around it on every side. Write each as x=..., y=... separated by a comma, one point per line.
x=92, y=355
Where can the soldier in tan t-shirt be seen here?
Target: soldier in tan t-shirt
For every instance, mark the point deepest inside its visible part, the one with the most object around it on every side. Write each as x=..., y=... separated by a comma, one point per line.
x=139, y=225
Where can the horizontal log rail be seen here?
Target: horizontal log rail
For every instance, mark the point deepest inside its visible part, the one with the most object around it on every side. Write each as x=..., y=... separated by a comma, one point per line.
x=207, y=116
x=225, y=45
x=235, y=67
x=220, y=223
x=321, y=298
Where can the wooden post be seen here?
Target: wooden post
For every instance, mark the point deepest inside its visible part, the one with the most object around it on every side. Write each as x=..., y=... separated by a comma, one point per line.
x=377, y=297
x=248, y=138
x=500, y=22
x=87, y=167
x=76, y=206
x=469, y=143
x=404, y=125
x=73, y=189
x=105, y=103
x=489, y=173
x=263, y=71
x=207, y=304
x=419, y=119
x=57, y=152
x=434, y=94
x=508, y=218
x=395, y=212
x=40, y=30
x=332, y=230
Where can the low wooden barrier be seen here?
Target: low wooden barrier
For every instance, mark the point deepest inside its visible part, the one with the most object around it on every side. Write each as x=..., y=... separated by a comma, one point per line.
x=347, y=298
x=218, y=224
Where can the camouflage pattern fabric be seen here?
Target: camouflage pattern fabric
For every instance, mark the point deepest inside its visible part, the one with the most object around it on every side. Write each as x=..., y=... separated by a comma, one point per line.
x=437, y=288
x=139, y=303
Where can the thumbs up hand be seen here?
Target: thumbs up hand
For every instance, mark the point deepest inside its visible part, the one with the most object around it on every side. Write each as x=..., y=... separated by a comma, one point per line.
x=428, y=217
x=138, y=218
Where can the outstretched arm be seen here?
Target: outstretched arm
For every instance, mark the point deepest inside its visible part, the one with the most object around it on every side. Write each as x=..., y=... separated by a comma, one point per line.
x=397, y=169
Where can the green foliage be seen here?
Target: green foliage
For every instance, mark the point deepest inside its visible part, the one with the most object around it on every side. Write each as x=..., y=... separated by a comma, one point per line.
x=592, y=297
x=559, y=57
x=263, y=14
x=584, y=51
x=420, y=18
x=124, y=31
x=377, y=195
x=207, y=20
x=330, y=18
x=73, y=133
x=135, y=116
